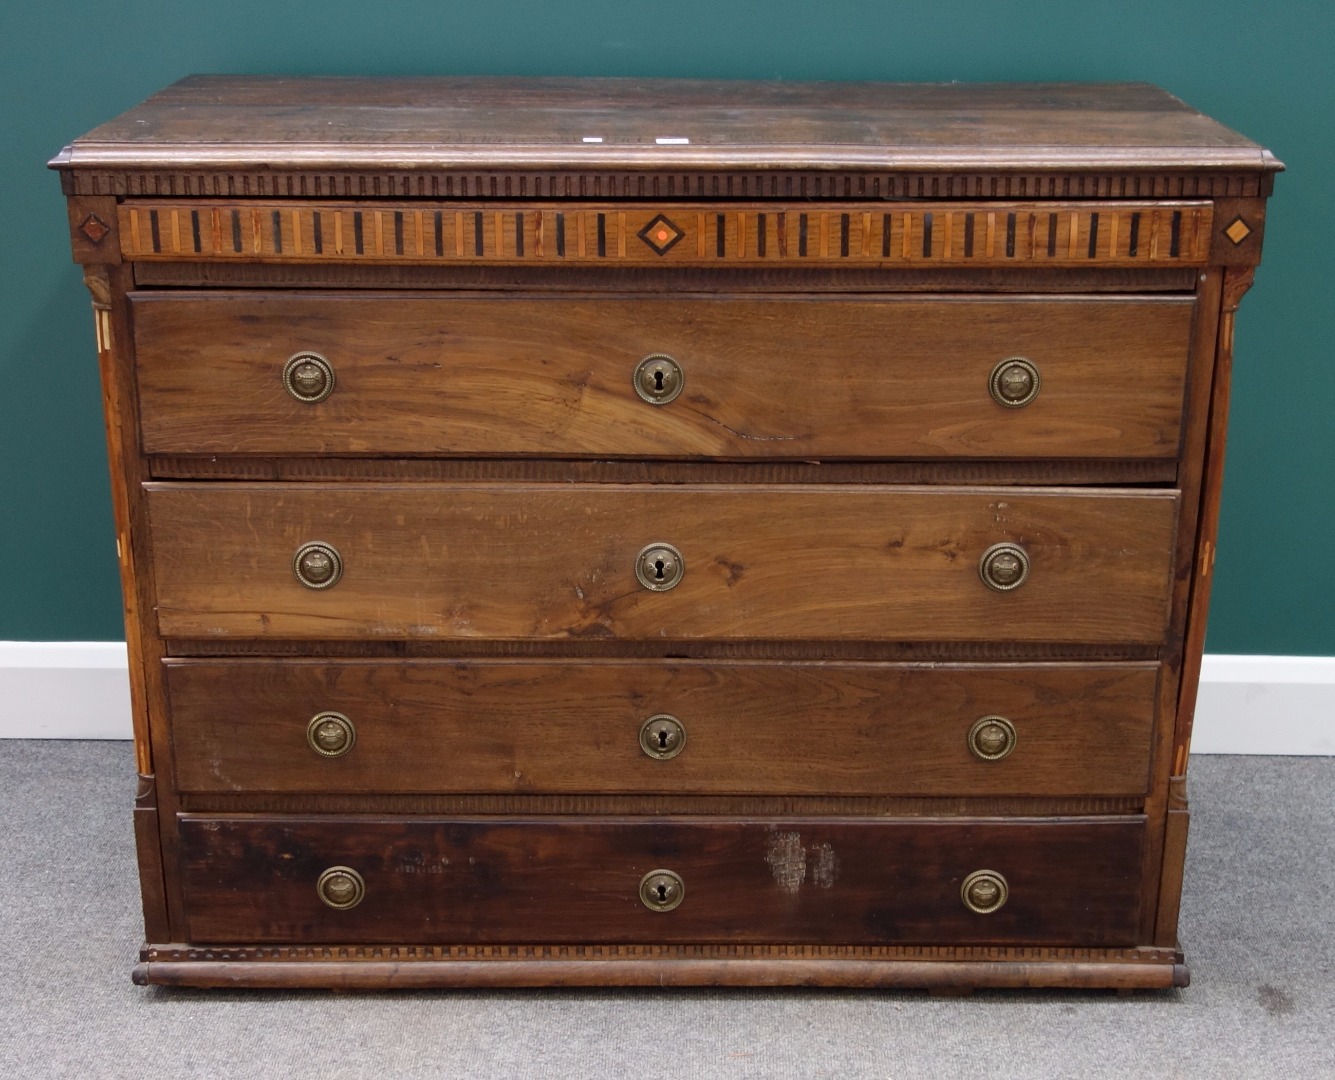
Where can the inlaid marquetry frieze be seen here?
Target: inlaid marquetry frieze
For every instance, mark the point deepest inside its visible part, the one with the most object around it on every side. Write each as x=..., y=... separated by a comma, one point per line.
x=952, y=234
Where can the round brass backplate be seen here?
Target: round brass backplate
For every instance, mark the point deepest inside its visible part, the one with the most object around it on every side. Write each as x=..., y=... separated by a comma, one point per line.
x=317, y=565
x=1014, y=382
x=330, y=734
x=1004, y=567
x=984, y=891
x=308, y=377
x=659, y=567
x=661, y=890
x=662, y=737
x=992, y=738
x=341, y=887
x=658, y=379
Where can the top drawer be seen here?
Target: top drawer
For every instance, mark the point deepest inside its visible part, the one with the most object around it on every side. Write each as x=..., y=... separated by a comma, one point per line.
x=760, y=377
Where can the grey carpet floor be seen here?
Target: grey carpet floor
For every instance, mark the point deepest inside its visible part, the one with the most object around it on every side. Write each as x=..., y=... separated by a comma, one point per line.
x=1257, y=923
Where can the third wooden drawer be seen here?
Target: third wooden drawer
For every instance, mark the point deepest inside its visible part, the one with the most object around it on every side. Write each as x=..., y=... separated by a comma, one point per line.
x=661, y=727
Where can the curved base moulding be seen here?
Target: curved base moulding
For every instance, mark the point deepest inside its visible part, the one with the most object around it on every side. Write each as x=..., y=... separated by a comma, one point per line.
x=422, y=967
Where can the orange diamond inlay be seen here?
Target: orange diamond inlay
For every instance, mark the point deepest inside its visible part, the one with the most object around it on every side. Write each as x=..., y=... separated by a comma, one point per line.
x=660, y=234
x=1238, y=231
x=94, y=228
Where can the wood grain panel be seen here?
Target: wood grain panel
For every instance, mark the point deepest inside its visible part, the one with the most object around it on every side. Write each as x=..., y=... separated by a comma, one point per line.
x=227, y=119
x=816, y=729
x=764, y=378
x=1071, y=881
x=556, y=562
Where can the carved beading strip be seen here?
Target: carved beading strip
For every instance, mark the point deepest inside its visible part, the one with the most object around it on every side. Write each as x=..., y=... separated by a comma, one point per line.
x=760, y=234
x=852, y=806
x=754, y=649
x=415, y=953
x=783, y=184
x=1054, y=471
x=777, y=277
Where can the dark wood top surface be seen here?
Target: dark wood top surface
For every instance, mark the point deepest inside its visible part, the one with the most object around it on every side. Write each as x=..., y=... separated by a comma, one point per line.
x=423, y=123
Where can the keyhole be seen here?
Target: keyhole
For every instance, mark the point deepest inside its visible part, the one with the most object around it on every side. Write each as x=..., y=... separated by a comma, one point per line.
x=658, y=381
x=659, y=567
x=661, y=890
x=662, y=739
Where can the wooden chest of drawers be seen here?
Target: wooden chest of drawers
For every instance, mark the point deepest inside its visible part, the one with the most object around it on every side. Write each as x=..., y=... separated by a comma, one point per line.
x=584, y=532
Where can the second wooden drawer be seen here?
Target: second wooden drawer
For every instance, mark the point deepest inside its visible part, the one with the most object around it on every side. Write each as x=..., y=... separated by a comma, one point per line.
x=554, y=561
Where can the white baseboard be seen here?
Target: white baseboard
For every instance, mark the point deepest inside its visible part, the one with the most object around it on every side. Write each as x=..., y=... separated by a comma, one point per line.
x=1265, y=705
x=1248, y=704
x=64, y=690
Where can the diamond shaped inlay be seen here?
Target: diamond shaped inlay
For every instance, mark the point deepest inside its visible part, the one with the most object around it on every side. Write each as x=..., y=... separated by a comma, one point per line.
x=94, y=228
x=661, y=235
x=1238, y=231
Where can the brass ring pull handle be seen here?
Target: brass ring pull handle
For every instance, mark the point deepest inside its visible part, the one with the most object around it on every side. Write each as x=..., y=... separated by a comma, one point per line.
x=992, y=738
x=1014, y=382
x=658, y=378
x=330, y=734
x=662, y=737
x=1004, y=567
x=308, y=377
x=660, y=567
x=984, y=891
x=661, y=890
x=317, y=565
x=341, y=887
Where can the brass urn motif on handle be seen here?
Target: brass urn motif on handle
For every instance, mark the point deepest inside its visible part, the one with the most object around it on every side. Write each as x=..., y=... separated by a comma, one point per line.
x=341, y=887
x=1004, y=567
x=984, y=891
x=330, y=734
x=317, y=565
x=992, y=738
x=308, y=377
x=1014, y=382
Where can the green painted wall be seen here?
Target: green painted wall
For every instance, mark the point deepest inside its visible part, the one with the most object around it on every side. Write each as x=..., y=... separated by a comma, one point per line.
x=67, y=65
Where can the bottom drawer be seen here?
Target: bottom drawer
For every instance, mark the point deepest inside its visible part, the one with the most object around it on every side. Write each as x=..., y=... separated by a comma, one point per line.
x=1072, y=881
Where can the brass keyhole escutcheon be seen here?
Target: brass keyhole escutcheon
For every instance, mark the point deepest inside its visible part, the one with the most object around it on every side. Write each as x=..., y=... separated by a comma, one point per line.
x=662, y=737
x=317, y=565
x=992, y=738
x=658, y=379
x=330, y=734
x=1014, y=382
x=661, y=890
x=1004, y=567
x=659, y=567
x=341, y=887
x=984, y=891
x=308, y=377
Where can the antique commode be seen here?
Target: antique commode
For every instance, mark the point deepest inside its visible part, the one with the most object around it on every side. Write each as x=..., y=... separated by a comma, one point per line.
x=612, y=531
